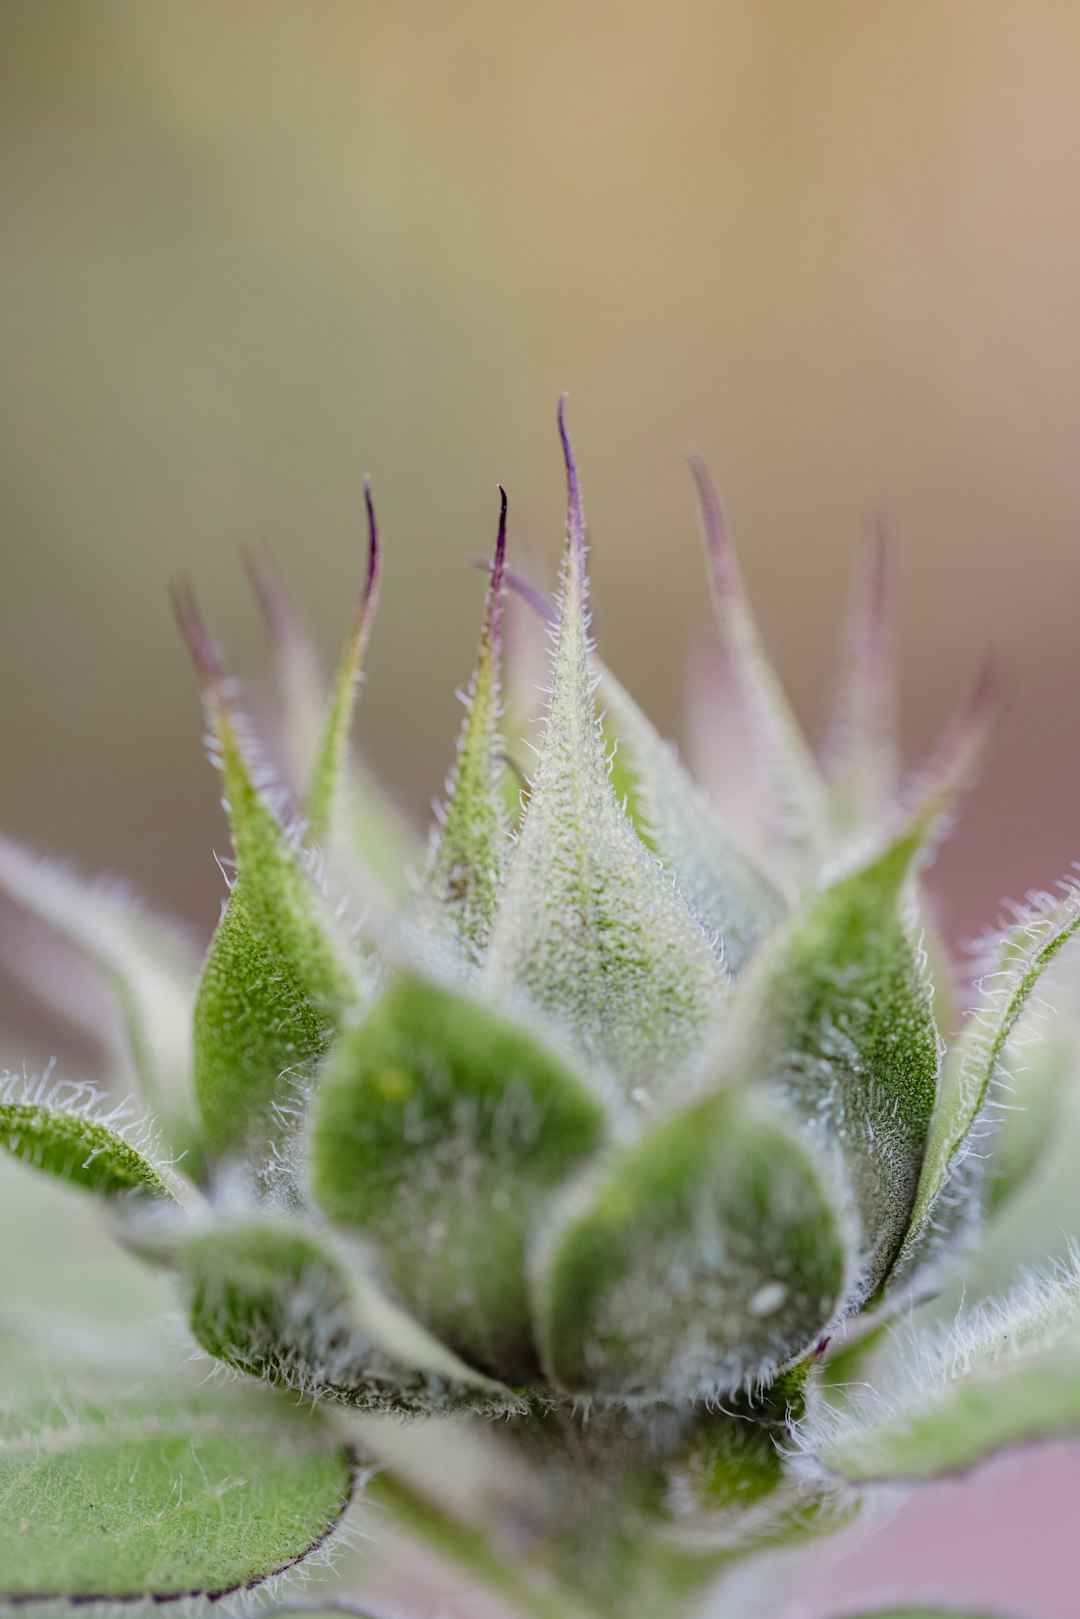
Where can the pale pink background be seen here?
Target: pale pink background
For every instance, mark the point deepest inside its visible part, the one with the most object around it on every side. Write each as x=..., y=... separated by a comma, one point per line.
x=1003, y=1539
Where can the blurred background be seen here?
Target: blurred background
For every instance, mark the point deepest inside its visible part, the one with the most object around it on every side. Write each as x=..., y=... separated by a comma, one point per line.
x=253, y=249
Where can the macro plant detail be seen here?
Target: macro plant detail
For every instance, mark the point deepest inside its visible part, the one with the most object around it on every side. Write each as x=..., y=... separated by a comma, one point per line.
x=618, y=1158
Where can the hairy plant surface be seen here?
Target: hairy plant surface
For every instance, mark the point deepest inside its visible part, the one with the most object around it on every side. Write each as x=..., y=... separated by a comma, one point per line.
x=617, y=1157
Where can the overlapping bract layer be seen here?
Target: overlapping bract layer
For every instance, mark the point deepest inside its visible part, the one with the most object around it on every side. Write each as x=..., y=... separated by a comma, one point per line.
x=591, y=1113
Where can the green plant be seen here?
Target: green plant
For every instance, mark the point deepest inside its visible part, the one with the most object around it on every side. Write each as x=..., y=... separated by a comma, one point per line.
x=580, y=1155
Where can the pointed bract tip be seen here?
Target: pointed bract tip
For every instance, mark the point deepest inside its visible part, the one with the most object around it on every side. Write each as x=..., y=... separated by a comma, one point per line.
x=500, y=545
x=276, y=601
x=994, y=682
x=369, y=594
x=876, y=585
x=200, y=643
x=371, y=583
x=881, y=528
x=869, y=633
x=960, y=752
x=725, y=577
x=575, y=514
x=497, y=570
x=971, y=728
x=881, y=563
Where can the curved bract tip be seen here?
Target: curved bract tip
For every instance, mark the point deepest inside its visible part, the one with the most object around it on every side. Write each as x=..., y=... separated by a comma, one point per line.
x=961, y=750
x=870, y=629
x=575, y=514
x=329, y=767
x=722, y=564
x=499, y=565
x=369, y=596
x=881, y=568
x=276, y=601
x=461, y=890
x=200, y=643
x=862, y=751
x=493, y=625
x=875, y=634
x=796, y=804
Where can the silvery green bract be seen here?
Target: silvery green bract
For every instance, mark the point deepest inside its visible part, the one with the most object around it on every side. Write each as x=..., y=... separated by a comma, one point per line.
x=583, y=1150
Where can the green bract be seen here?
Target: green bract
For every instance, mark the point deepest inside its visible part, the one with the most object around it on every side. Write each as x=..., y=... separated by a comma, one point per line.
x=582, y=1146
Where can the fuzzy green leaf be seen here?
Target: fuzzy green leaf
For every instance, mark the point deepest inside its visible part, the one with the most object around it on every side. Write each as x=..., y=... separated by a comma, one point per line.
x=146, y=965
x=840, y=1025
x=972, y=1064
x=442, y=1129
x=269, y=1002
x=733, y=900
x=276, y=981
x=731, y=1491
x=161, y=1494
x=1012, y=1406
x=1005, y=1374
x=625, y=778
x=696, y=1262
x=68, y=1131
x=589, y=927
x=729, y=1463
x=725, y=891
x=274, y=1300
x=469, y=851
x=795, y=785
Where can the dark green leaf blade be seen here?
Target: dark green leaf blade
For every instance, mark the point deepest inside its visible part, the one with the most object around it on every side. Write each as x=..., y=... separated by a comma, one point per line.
x=162, y=1494
x=441, y=1131
x=70, y=1132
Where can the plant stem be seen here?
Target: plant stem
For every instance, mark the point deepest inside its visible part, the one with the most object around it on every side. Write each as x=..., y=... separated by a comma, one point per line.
x=470, y=1550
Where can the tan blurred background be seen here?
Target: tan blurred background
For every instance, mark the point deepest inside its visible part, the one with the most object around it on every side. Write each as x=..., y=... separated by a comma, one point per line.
x=252, y=248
